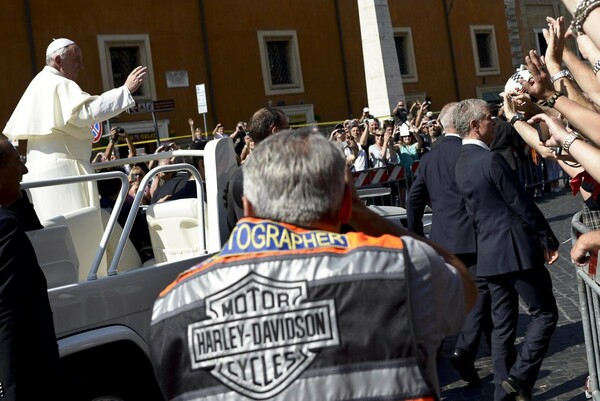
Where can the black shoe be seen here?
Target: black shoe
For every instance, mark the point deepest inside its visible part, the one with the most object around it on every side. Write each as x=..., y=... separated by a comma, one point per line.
x=463, y=362
x=513, y=387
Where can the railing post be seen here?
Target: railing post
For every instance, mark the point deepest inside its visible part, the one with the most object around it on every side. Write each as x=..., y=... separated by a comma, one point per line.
x=589, y=301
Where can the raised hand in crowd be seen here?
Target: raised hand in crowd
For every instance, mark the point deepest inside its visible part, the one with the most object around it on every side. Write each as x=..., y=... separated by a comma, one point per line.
x=520, y=102
x=587, y=48
x=422, y=109
x=586, y=78
x=540, y=87
x=555, y=38
x=196, y=133
x=240, y=131
x=219, y=131
x=581, y=72
x=515, y=102
x=583, y=152
x=561, y=78
x=99, y=158
x=557, y=130
x=248, y=148
x=585, y=21
x=116, y=134
x=160, y=149
x=332, y=135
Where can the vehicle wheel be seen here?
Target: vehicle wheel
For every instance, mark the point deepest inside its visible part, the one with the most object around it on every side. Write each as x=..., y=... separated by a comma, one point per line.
x=115, y=372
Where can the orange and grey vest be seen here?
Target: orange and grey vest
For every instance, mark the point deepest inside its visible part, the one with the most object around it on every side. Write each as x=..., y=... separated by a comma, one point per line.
x=284, y=313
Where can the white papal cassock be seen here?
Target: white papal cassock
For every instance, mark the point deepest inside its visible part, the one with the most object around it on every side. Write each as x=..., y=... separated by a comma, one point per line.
x=55, y=116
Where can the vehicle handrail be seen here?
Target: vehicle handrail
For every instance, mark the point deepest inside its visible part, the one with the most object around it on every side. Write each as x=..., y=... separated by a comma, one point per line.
x=138, y=199
x=93, y=272
x=146, y=158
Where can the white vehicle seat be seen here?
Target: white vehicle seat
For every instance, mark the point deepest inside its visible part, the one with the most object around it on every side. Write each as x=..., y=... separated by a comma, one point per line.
x=130, y=258
x=174, y=230
x=56, y=255
x=85, y=226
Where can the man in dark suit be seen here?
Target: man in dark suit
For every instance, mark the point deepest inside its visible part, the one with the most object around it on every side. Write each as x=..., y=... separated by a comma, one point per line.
x=453, y=228
x=513, y=242
x=28, y=350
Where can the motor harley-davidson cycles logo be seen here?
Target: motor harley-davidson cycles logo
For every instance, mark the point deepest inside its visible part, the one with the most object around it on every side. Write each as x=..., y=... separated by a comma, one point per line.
x=261, y=335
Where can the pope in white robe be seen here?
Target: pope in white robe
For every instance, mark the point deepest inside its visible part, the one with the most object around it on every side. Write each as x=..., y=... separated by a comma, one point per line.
x=55, y=117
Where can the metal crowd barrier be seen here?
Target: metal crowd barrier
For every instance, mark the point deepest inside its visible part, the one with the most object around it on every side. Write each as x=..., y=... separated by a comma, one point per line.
x=589, y=300
x=376, y=182
x=535, y=176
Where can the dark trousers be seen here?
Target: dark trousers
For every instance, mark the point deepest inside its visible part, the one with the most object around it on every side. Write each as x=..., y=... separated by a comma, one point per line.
x=479, y=319
x=534, y=286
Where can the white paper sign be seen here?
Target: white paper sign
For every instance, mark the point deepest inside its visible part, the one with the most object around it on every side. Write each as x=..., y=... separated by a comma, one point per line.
x=201, y=96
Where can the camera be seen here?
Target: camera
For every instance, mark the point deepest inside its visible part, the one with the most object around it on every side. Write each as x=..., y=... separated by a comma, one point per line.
x=120, y=130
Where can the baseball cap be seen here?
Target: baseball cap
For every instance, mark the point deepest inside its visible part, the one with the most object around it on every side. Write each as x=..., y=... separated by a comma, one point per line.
x=366, y=110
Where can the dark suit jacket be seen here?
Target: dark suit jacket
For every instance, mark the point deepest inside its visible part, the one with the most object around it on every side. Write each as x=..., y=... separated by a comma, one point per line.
x=511, y=230
x=233, y=196
x=25, y=213
x=452, y=227
x=28, y=350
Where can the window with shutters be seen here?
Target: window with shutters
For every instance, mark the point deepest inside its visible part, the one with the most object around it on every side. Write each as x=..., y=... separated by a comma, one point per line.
x=485, y=52
x=280, y=61
x=119, y=55
x=406, y=54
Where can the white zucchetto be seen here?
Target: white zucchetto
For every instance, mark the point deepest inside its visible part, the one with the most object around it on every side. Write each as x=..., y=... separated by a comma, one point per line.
x=58, y=44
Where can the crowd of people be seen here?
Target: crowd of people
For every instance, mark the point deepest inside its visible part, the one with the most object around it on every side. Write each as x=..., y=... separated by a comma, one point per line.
x=403, y=141
x=369, y=143
x=314, y=290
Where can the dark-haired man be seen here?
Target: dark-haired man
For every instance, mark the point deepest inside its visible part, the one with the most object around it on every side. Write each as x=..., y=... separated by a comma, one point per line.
x=262, y=124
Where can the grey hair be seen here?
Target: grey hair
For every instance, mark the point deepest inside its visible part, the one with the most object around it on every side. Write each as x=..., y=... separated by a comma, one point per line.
x=295, y=177
x=446, y=117
x=466, y=111
x=59, y=52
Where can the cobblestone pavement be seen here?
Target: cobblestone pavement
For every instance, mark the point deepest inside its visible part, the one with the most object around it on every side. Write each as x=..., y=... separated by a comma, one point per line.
x=565, y=369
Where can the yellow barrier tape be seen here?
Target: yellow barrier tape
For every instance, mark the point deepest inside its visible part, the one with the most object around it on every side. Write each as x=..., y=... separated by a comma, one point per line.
x=174, y=138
